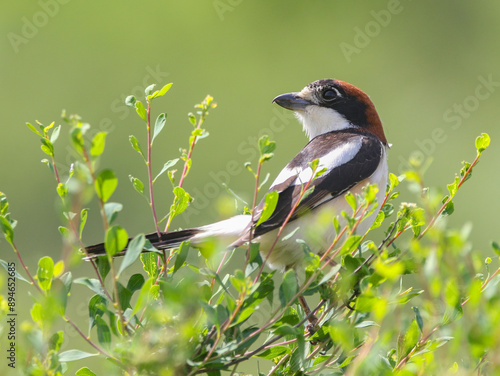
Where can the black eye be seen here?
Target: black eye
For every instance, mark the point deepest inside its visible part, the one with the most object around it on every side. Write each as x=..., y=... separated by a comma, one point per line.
x=329, y=95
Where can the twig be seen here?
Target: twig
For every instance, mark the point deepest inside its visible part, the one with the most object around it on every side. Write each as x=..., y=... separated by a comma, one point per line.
x=26, y=268
x=87, y=339
x=150, y=176
x=433, y=220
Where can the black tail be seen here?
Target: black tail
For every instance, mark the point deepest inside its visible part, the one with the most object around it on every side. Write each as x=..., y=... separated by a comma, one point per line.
x=167, y=240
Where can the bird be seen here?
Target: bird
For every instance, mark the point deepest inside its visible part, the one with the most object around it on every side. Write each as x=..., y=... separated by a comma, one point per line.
x=347, y=138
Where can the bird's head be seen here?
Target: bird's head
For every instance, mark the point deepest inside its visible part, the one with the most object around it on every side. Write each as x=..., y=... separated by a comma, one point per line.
x=331, y=105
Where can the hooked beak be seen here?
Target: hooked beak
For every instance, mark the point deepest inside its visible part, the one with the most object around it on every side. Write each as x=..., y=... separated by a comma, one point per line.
x=291, y=101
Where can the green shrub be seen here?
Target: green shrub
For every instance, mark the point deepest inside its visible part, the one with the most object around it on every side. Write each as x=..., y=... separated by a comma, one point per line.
x=411, y=298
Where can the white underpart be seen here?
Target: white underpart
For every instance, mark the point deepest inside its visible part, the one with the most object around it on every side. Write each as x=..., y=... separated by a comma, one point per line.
x=317, y=120
x=335, y=158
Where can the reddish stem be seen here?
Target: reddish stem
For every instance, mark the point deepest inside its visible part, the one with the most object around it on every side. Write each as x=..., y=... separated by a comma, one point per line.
x=433, y=220
x=150, y=176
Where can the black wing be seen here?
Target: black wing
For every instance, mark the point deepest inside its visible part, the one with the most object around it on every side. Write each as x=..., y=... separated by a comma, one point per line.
x=349, y=157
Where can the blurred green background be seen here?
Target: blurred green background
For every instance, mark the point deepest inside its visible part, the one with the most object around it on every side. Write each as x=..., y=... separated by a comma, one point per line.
x=431, y=68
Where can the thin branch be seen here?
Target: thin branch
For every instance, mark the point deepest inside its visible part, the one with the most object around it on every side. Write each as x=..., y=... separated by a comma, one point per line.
x=87, y=339
x=433, y=220
x=26, y=268
x=150, y=175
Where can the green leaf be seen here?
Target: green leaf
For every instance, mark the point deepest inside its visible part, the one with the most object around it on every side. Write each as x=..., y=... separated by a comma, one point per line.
x=192, y=118
x=47, y=128
x=149, y=89
x=98, y=143
x=313, y=165
x=84, y=372
x=149, y=264
x=93, y=284
x=159, y=124
x=55, y=134
x=274, y=352
x=9, y=269
x=4, y=204
x=112, y=209
x=496, y=247
x=181, y=255
x=288, y=288
x=418, y=318
x=37, y=314
x=7, y=230
x=239, y=281
x=103, y=332
x=45, y=272
x=482, y=142
x=452, y=295
x=144, y=296
x=64, y=231
x=166, y=166
x=334, y=270
x=71, y=355
x=453, y=187
x=452, y=314
x=134, y=249
x=181, y=202
x=409, y=340
x=124, y=296
x=62, y=190
x=407, y=295
x=135, y=144
x=266, y=146
x=163, y=91
x=138, y=185
x=287, y=330
x=116, y=240
x=197, y=132
x=77, y=140
x=270, y=201
x=47, y=147
x=106, y=184
x=83, y=220
x=346, y=362
x=103, y=266
x=336, y=225
x=56, y=341
x=97, y=307
x=449, y=208
x=394, y=181
x=135, y=282
x=389, y=269
x=378, y=220
x=130, y=101
x=350, y=244
x=36, y=131
x=141, y=111
x=351, y=200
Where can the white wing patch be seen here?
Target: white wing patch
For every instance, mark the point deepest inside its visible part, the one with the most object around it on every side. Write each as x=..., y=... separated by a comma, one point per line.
x=335, y=158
